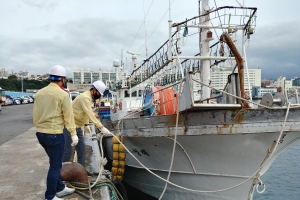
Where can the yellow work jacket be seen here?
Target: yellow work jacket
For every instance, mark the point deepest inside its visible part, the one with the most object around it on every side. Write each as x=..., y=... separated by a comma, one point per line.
x=82, y=108
x=52, y=110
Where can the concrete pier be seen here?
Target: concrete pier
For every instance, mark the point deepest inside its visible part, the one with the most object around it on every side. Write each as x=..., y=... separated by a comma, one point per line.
x=23, y=169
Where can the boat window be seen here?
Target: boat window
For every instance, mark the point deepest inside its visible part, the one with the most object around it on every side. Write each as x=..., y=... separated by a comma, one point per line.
x=126, y=94
x=133, y=94
x=140, y=93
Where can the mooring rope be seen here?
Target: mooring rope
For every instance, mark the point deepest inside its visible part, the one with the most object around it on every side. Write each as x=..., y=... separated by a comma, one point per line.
x=212, y=191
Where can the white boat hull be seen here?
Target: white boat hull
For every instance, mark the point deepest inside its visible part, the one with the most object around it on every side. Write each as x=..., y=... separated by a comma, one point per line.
x=220, y=162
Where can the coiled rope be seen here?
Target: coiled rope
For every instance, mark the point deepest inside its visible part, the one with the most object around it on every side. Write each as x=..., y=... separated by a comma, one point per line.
x=114, y=193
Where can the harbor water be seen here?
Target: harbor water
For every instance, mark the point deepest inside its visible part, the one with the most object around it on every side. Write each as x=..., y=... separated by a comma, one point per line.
x=283, y=177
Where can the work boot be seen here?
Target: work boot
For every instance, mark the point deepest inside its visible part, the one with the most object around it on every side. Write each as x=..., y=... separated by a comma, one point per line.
x=65, y=192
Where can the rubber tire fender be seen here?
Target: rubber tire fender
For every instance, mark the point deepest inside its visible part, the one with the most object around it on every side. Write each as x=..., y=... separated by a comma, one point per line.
x=121, y=188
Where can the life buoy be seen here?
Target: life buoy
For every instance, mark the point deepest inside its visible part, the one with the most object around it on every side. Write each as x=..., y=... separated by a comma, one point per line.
x=166, y=98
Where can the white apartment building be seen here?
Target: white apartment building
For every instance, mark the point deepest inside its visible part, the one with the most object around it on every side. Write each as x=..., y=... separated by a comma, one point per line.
x=3, y=73
x=22, y=74
x=83, y=79
x=284, y=84
x=81, y=76
x=281, y=82
x=287, y=85
x=219, y=78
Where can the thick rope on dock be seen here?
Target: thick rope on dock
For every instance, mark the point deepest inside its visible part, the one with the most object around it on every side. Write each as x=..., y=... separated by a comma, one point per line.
x=114, y=193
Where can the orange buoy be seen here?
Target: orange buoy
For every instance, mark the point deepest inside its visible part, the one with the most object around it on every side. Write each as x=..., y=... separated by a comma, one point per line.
x=166, y=98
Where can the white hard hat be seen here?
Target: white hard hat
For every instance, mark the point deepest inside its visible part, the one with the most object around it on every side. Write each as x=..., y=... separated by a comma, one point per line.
x=58, y=70
x=100, y=86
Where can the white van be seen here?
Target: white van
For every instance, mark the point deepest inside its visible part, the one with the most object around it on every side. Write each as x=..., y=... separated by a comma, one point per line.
x=74, y=95
x=68, y=91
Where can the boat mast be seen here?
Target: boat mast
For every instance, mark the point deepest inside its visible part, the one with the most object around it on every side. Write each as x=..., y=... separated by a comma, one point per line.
x=170, y=33
x=199, y=13
x=205, y=51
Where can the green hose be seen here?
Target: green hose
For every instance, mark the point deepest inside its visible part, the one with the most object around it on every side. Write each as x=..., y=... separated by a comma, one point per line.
x=114, y=194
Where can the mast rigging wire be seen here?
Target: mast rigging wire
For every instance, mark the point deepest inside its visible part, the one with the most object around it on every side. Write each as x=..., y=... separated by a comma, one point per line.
x=155, y=27
x=141, y=25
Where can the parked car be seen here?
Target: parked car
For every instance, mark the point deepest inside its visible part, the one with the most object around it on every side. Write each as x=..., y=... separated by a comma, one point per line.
x=18, y=100
x=68, y=91
x=74, y=95
x=32, y=97
x=23, y=100
x=28, y=99
x=8, y=96
x=9, y=100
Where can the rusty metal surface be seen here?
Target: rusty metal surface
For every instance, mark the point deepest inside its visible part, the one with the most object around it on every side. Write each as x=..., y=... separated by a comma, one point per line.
x=213, y=122
x=73, y=171
x=225, y=147
x=240, y=62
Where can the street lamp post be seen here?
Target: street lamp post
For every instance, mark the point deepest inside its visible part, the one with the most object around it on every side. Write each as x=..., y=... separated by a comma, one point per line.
x=22, y=82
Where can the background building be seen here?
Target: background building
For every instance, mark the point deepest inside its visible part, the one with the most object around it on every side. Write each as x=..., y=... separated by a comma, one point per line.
x=219, y=78
x=3, y=73
x=258, y=92
x=81, y=76
x=286, y=85
x=83, y=79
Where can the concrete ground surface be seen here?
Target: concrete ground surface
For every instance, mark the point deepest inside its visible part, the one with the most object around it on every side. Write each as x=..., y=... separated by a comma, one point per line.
x=23, y=169
x=24, y=163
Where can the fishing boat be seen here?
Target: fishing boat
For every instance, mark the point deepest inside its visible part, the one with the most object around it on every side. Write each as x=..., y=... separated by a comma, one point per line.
x=172, y=144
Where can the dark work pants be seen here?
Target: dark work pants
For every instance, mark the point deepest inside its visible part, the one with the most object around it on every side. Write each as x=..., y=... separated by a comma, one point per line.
x=54, y=147
x=80, y=147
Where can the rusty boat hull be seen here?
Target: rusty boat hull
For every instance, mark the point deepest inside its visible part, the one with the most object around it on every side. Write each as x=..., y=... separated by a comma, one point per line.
x=215, y=150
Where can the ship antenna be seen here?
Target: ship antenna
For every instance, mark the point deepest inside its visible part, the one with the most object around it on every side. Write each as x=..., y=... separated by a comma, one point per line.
x=145, y=29
x=200, y=29
x=170, y=33
x=122, y=64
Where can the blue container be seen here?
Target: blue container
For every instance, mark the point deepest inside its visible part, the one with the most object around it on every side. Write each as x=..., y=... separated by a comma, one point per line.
x=147, y=106
x=104, y=114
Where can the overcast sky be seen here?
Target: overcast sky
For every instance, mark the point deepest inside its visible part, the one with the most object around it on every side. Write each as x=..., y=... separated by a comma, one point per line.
x=37, y=34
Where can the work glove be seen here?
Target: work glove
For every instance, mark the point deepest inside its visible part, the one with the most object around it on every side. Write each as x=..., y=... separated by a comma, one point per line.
x=104, y=131
x=87, y=129
x=74, y=140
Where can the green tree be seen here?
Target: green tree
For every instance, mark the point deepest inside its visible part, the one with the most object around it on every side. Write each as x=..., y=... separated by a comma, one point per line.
x=13, y=77
x=16, y=85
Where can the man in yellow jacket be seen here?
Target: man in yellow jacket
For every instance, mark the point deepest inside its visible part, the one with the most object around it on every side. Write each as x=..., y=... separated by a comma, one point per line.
x=83, y=113
x=52, y=110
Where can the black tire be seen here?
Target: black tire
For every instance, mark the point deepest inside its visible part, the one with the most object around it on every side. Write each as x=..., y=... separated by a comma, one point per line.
x=121, y=188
